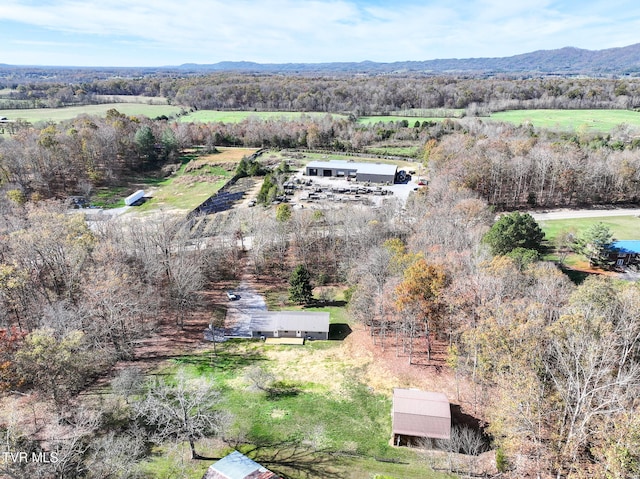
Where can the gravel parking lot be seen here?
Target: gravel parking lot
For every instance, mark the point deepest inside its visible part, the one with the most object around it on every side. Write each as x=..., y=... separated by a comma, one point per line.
x=399, y=191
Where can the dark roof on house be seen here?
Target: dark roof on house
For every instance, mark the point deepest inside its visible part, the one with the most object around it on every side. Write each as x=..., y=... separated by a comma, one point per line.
x=626, y=246
x=238, y=466
x=290, y=321
x=421, y=414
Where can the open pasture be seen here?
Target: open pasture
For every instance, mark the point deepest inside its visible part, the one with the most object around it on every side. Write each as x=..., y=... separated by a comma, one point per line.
x=36, y=115
x=622, y=227
x=570, y=120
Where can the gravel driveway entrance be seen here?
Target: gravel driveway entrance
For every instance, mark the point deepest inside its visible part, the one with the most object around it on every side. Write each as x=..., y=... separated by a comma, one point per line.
x=238, y=320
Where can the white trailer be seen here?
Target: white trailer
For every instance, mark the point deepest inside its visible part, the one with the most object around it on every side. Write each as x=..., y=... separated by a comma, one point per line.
x=132, y=198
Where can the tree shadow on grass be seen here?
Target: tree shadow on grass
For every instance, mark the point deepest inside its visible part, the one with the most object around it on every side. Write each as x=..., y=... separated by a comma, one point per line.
x=222, y=361
x=290, y=459
x=339, y=331
x=282, y=390
x=319, y=303
x=575, y=275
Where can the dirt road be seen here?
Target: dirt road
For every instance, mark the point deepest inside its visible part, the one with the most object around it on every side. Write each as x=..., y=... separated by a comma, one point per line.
x=565, y=214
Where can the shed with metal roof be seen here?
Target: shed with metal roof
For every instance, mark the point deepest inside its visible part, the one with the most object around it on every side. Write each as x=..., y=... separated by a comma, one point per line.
x=238, y=466
x=420, y=414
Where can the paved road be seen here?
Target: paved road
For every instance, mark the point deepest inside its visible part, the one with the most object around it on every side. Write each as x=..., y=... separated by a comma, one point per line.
x=238, y=319
x=593, y=213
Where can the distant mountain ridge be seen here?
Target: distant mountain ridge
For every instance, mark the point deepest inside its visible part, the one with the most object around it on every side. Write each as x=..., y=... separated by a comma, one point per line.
x=564, y=61
x=568, y=61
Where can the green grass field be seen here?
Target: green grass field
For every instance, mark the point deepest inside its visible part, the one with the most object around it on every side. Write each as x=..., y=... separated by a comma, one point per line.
x=566, y=120
x=60, y=114
x=570, y=120
x=197, y=179
x=408, y=151
x=213, y=116
x=622, y=227
x=321, y=405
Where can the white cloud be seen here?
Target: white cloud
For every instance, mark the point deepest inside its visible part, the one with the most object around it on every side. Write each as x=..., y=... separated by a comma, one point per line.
x=327, y=30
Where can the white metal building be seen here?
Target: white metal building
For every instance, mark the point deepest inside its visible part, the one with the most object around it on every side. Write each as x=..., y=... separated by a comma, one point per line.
x=372, y=172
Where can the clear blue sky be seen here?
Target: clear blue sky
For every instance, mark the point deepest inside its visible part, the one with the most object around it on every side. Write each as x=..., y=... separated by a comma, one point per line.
x=172, y=32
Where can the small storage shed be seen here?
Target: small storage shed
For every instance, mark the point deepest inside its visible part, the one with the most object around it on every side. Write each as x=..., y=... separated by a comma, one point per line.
x=290, y=324
x=238, y=466
x=134, y=198
x=420, y=414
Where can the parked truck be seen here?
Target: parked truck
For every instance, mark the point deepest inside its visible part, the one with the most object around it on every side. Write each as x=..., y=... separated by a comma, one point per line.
x=132, y=198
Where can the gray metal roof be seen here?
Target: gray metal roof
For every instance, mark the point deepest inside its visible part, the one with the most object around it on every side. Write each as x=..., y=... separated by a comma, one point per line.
x=290, y=321
x=421, y=414
x=238, y=466
x=364, y=168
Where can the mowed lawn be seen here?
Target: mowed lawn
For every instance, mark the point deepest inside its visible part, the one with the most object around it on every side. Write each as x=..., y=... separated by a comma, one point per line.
x=570, y=120
x=35, y=115
x=622, y=227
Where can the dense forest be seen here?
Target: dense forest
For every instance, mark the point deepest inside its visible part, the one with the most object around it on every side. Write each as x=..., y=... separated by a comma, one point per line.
x=358, y=95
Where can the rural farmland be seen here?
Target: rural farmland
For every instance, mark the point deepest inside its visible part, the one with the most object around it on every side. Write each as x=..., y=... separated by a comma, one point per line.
x=307, y=265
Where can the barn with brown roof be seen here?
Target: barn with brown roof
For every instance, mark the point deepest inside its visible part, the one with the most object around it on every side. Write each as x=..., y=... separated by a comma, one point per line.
x=420, y=414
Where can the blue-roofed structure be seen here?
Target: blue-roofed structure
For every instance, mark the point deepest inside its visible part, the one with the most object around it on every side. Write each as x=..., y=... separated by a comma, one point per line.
x=238, y=466
x=625, y=253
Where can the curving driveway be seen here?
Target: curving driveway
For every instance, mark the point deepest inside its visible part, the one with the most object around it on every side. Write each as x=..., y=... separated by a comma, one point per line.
x=238, y=320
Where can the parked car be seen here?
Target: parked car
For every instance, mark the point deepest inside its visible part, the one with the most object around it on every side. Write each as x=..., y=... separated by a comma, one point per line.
x=232, y=296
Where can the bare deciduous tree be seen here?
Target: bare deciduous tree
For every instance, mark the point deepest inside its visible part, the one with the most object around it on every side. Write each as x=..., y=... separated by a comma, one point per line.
x=184, y=411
